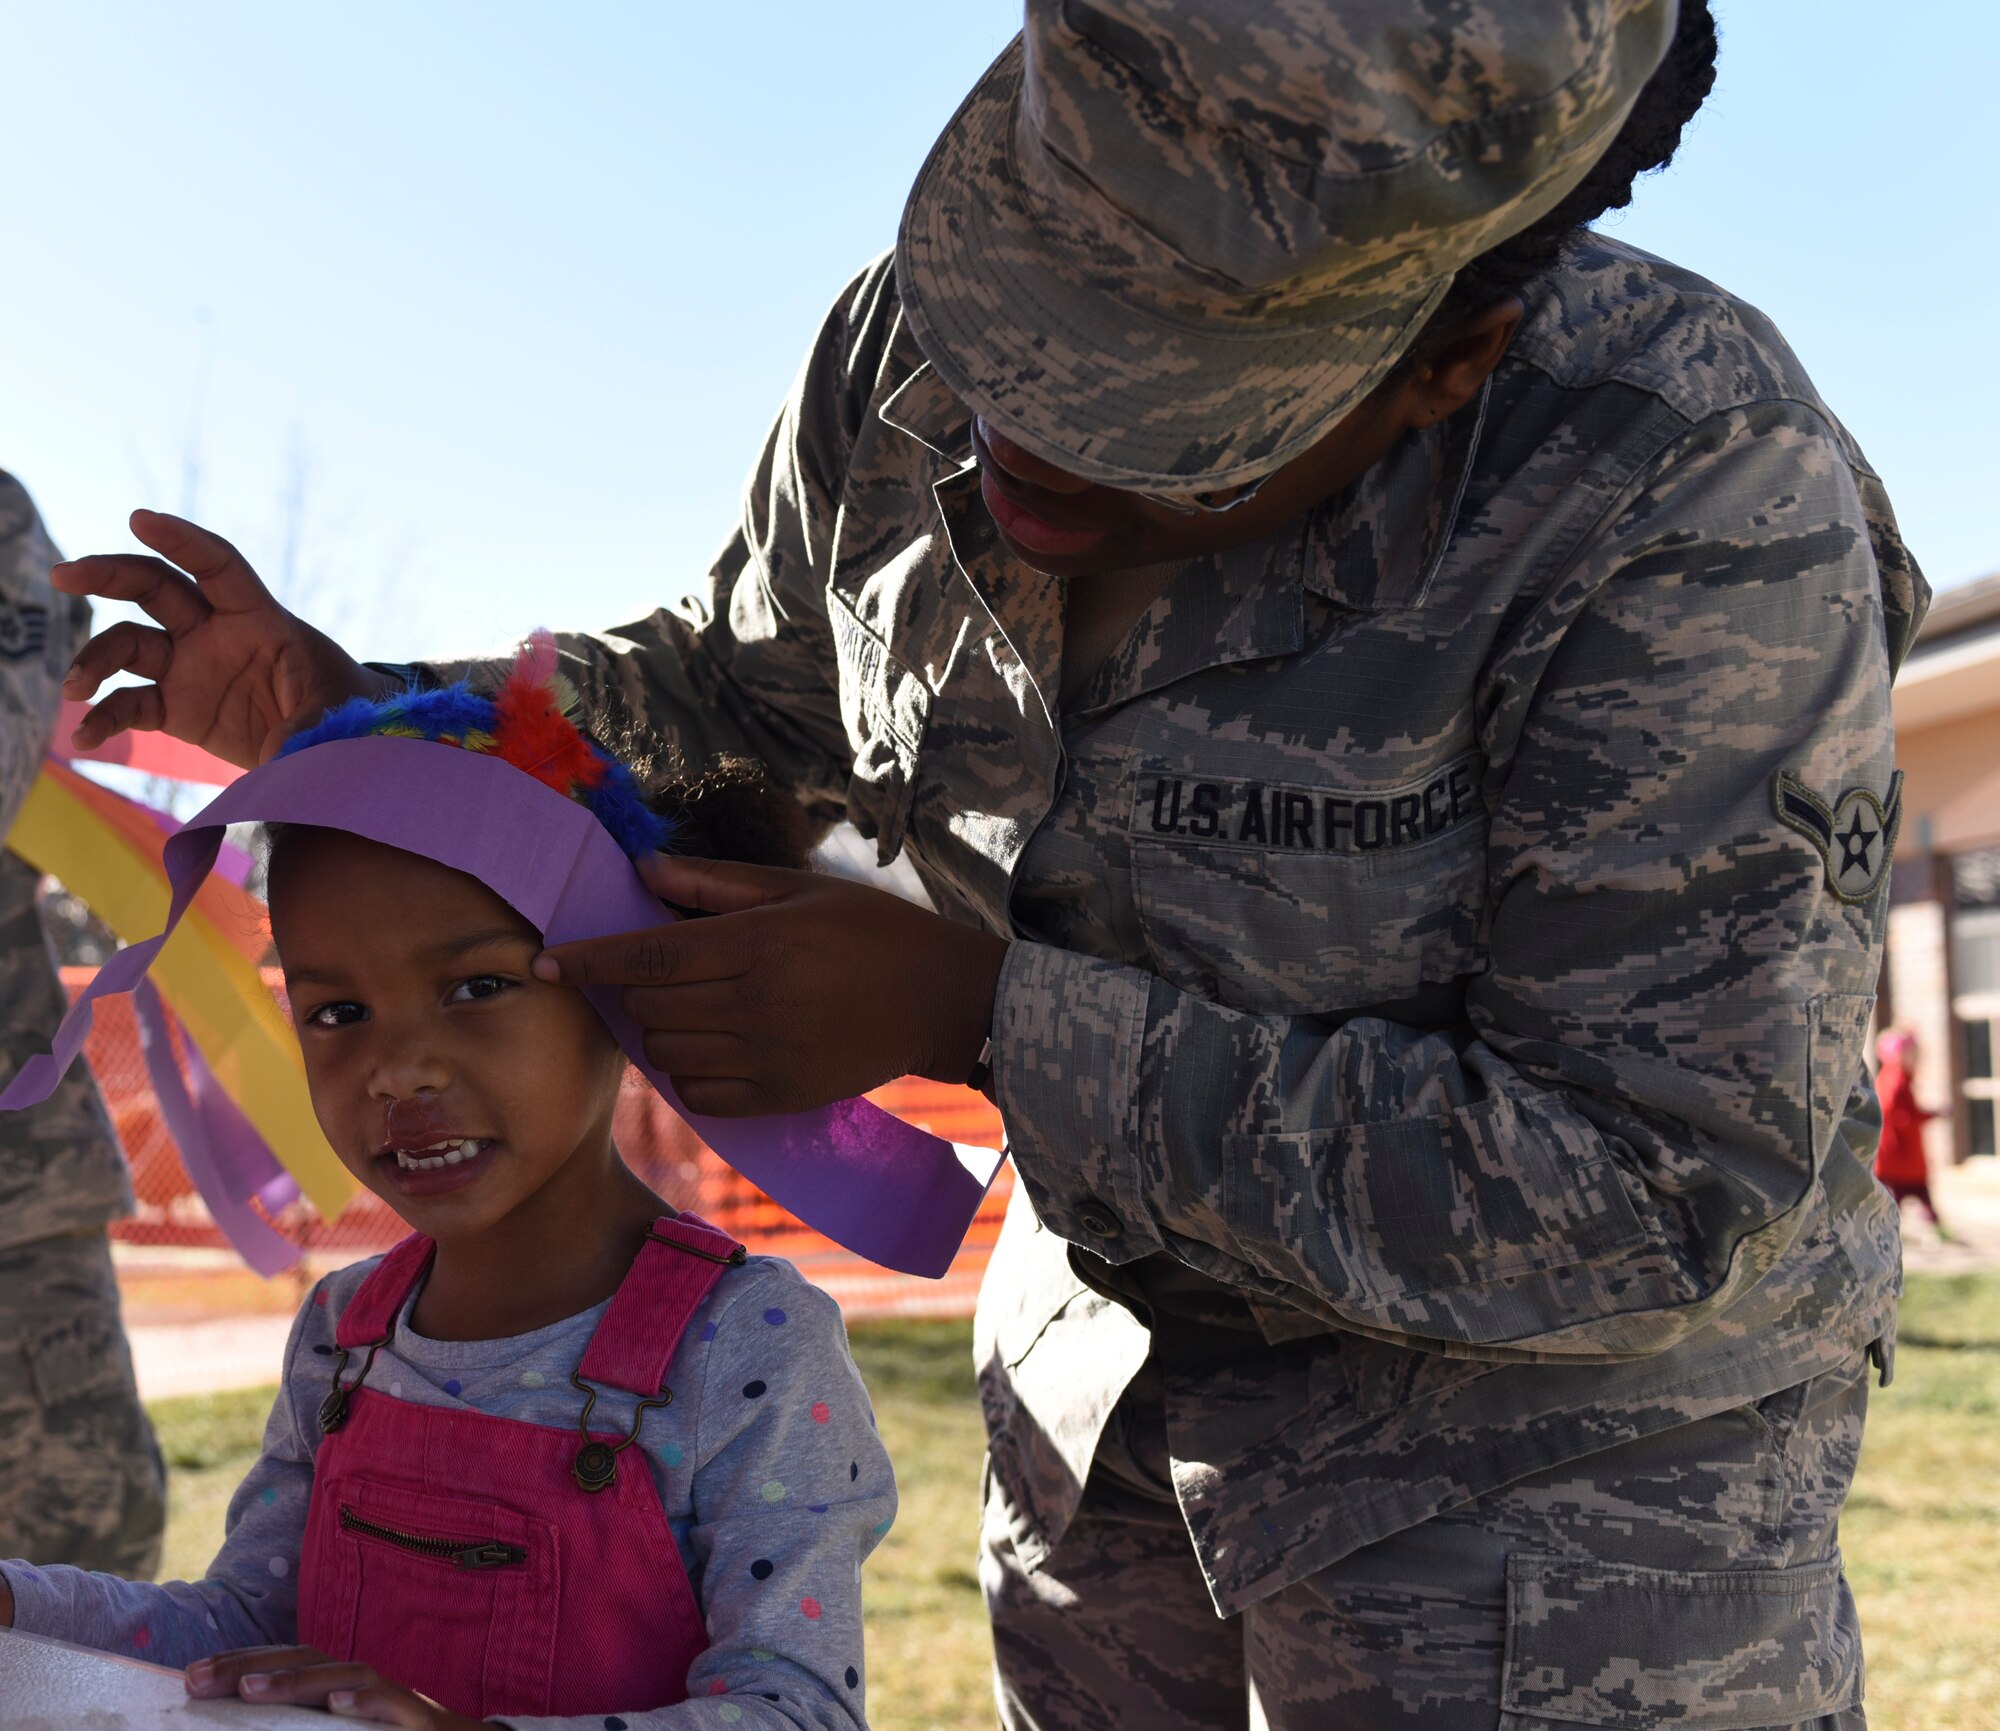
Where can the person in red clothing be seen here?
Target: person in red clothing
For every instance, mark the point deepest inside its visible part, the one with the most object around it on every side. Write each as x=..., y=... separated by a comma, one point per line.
x=1899, y=1162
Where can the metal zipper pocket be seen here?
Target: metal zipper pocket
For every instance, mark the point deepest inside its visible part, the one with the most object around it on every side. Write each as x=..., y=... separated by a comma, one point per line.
x=466, y=1553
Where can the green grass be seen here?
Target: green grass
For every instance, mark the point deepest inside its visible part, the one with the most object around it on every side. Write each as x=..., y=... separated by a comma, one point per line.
x=1923, y=1524
x=929, y=1657
x=1921, y=1533
x=209, y=1441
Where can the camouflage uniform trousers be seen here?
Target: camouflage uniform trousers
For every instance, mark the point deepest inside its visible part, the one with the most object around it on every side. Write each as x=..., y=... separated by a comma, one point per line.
x=81, y=1479
x=1689, y=1579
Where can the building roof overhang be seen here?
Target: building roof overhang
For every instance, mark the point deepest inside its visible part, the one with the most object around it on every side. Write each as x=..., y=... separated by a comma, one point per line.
x=1953, y=669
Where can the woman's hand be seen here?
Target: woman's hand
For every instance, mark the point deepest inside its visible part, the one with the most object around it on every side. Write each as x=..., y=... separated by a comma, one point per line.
x=801, y=990
x=306, y=1677
x=232, y=671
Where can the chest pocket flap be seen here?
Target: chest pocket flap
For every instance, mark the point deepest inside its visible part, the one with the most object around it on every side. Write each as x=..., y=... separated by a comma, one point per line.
x=1293, y=899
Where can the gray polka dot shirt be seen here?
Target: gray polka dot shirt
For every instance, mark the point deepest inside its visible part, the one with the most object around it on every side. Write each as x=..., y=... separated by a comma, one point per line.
x=774, y=1483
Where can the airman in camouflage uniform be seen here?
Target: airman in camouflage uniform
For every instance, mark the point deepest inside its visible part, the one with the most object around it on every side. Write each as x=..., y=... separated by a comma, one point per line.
x=1446, y=1272
x=1446, y=1260
x=80, y=1475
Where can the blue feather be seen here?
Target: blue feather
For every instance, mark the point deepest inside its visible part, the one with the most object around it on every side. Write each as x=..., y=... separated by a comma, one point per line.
x=355, y=719
x=452, y=711
x=622, y=809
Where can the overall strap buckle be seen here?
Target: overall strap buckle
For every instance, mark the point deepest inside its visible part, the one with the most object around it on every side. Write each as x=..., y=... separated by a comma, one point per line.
x=596, y=1463
x=635, y=1342
x=333, y=1410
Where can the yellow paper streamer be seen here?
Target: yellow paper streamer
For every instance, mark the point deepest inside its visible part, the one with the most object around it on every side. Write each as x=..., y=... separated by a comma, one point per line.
x=216, y=993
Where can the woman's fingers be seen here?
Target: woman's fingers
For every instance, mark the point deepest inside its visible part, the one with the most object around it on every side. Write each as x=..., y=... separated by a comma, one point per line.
x=684, y=953
x=710, y=1056
x=226, y=579
x=127, y=647
x=131, y=708
x=726, y=1097
x=712, y=886
x=709, y=1006
x=167, y=596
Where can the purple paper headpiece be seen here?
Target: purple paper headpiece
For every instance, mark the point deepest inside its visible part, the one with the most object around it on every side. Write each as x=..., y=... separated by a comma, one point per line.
x=884, y=1189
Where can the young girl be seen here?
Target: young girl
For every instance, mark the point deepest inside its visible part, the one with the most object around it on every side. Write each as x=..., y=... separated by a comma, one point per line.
x=1900, y=1161
x=563, y=1456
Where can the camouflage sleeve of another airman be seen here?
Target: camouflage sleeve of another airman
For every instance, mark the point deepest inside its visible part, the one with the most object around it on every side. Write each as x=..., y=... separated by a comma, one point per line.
x=1692, y=802
x=60, y=1167
x=744, y=665
x=38, y=628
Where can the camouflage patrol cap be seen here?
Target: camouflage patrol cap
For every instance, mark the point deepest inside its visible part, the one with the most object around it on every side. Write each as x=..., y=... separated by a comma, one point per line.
x=1169, y=243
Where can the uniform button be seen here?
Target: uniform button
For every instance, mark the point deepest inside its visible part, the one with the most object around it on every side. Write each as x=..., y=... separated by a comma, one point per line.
x=1098, y=1220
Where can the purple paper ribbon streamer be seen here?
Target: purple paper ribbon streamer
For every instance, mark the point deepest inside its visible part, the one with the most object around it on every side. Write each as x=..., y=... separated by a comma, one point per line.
x=230, y=860
x=884, y=1189
x=219, y=1147
x=221, y=1151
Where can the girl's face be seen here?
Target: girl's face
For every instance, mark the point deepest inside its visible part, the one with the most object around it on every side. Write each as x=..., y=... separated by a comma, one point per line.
x=449, y=1080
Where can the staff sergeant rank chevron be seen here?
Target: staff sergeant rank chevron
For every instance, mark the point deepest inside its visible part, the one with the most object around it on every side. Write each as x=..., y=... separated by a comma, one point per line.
x=1855, y=836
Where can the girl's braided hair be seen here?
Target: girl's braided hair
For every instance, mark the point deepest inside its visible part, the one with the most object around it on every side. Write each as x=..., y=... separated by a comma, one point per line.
x=724, y=807
x=1646, y=142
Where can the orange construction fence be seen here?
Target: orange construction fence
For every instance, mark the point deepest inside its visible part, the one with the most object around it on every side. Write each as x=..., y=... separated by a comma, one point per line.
x=657, y=1144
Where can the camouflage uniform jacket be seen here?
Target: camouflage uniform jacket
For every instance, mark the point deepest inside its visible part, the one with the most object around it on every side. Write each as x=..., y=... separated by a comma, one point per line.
x=60, y=1166
x=1418, y=1009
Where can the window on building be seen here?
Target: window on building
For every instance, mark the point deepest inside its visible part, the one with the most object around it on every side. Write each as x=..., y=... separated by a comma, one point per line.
x=1975, y=1005
x=1975, y=879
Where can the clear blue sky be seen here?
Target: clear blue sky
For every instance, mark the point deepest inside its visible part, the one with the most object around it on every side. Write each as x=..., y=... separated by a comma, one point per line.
x=481, y=310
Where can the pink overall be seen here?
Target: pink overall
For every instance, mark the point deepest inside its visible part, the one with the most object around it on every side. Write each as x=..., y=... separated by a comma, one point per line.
x=468, y=1557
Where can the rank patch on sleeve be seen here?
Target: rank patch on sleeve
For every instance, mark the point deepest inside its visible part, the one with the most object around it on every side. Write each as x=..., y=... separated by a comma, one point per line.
x=1854, y=836
x=24, y=629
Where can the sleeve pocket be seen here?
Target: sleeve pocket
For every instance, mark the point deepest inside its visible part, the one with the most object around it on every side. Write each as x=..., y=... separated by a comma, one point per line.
x=1418, y=1205
x=1630, y=1649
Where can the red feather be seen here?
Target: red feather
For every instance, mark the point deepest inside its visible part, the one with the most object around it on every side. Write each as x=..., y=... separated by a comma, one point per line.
x=532, y=733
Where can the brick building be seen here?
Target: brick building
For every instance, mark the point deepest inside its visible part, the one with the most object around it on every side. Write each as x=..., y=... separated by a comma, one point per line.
x=1942, y=979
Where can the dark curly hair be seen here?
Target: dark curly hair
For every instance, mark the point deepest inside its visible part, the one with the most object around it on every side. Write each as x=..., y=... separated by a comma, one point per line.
x=733, y=811
x=1645, y=143
x=725, y=807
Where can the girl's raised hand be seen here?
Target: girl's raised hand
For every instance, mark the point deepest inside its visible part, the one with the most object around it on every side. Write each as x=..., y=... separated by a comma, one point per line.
x=231, y=670
x=306, y=1677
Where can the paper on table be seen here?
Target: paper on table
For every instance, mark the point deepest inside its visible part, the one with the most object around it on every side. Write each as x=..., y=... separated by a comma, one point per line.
x=51, y=1686
x=884, y=1189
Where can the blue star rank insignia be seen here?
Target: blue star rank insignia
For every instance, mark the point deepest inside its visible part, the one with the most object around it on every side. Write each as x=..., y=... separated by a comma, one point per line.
x=1853, y=837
